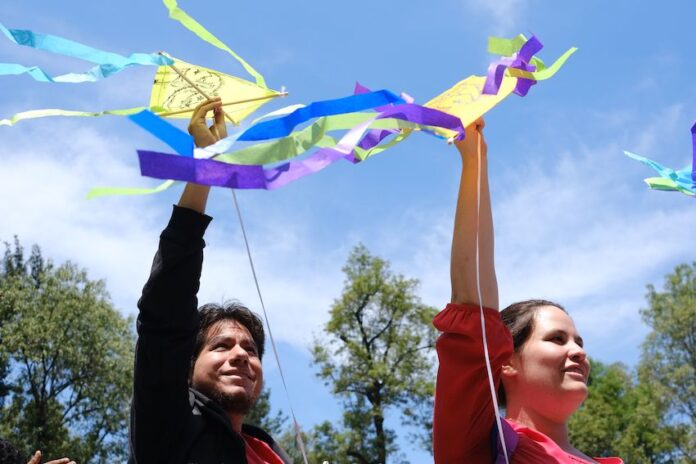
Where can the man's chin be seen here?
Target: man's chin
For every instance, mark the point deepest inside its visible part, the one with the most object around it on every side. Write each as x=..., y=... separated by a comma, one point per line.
x=237, y=402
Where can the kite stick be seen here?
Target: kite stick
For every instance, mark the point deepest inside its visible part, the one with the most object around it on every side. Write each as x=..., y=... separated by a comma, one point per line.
x=198, y=89
x=238, y=102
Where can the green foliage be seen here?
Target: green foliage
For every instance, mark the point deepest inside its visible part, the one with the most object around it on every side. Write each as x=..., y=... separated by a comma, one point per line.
x=69, y=355
x=377, y=356
x=648, y=416
x=668, y=364
x=619, y=418
x=260, y=415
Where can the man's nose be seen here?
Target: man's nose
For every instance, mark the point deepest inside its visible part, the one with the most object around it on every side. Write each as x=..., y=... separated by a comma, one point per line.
x=238, y=355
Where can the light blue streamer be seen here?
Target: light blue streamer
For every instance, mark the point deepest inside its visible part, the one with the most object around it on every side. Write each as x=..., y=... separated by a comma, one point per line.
x=180, y=141
x=108, y=63
x=681, y=177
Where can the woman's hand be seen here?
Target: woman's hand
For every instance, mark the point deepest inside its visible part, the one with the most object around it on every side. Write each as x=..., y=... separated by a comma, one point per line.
x=468, y=147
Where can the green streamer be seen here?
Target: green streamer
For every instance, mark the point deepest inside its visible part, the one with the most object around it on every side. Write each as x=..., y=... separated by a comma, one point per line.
x=197, y=28
x=505, y=47
x=35, y=114
x=662, y=183
x=312, y=136
x=544, y=73
x=109, y=191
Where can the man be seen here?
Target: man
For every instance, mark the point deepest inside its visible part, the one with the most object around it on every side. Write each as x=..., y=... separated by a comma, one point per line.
x=197, y=373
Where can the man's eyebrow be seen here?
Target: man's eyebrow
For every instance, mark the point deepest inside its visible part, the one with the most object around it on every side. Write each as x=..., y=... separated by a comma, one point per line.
x=224, y=338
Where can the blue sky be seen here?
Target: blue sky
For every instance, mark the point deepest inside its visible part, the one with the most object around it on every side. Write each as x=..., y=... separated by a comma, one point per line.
x=574, y=222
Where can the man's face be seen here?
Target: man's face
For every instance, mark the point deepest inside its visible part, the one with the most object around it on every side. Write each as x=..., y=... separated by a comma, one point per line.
x=228, y=369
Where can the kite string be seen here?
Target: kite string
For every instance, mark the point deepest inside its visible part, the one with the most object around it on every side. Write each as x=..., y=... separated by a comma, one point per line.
x=298, y=431
x=489, y=369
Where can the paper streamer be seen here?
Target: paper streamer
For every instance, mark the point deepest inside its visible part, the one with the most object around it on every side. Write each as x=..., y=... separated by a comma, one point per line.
x=272, y=128
x=283, y=126
x=215, y=173
x=180, y=141
x=521, y=64
x=683, y=180
x=194, y=26
x=361, y=152
x=108, y=63
x=670, y=179
x=43, y=113
x=109, y=191
x=693, y=152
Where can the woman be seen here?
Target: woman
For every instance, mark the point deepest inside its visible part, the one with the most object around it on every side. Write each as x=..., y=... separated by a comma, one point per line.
x=534, y=350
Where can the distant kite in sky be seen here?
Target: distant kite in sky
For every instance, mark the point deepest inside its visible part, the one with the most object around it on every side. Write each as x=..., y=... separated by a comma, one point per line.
x=683, y=180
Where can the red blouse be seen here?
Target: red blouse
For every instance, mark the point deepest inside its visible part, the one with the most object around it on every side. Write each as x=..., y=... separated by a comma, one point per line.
x=464, y=416
x=258, y=452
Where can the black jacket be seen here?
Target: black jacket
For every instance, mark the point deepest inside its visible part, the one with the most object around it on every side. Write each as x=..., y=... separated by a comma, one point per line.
x=170, y=422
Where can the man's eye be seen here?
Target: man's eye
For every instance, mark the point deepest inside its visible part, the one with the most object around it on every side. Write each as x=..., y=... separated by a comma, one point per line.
x=219, y=347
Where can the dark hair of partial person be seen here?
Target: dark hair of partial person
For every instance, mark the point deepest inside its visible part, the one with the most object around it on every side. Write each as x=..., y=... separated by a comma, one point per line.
x=519, y=320
x=212, y=313
x=9, y=454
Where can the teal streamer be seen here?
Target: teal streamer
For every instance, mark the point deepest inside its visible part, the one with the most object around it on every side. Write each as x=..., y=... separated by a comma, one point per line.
x=108, y=63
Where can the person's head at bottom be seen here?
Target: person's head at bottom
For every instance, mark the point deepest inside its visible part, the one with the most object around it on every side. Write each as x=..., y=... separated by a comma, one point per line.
x=546, y=377
x=226, y=365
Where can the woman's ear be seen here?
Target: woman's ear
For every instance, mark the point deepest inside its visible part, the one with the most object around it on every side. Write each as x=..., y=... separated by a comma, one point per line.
x=510, y=368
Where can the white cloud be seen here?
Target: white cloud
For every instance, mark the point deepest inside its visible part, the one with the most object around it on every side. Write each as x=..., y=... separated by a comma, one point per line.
x=566, y=230
x=504, y=14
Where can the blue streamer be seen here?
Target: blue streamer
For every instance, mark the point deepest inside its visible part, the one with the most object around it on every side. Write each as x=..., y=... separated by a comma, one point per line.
x=264, y=130
x=108, y=63
x=180, y=141
x=282, y=127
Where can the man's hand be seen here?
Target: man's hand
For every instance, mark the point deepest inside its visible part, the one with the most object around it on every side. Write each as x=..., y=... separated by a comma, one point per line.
x=198, y=127
x=36, y=459
x=469, y=146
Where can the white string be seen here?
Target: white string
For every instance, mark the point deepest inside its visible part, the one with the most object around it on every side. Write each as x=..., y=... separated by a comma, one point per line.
x=489, y=369
x=298, y=430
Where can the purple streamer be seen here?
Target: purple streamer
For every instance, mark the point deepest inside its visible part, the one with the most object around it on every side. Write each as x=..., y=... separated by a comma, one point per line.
x=216, y=173
x=693, y=150
x=374, y=136
x=519, y=60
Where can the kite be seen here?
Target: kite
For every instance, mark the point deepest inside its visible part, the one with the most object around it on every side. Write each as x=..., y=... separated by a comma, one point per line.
x=171, y=96
x=270, y=162
x=683, y=180
x=444, y=116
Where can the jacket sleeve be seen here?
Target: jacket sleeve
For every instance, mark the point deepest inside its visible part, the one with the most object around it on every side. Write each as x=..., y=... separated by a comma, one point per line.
x=167, y=325
x=464, y=414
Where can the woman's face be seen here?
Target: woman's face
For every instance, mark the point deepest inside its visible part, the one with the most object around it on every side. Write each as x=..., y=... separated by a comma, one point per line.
x=551, y=369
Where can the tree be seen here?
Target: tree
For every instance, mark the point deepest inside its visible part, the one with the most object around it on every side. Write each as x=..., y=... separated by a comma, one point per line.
x=646, y=416
x=376, y=357
x=70, y=358
x=620, y=418
x=260, y=415
x=668, y=363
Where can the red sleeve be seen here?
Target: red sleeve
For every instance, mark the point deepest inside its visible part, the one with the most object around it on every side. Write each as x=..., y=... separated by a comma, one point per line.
x=464, y=414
